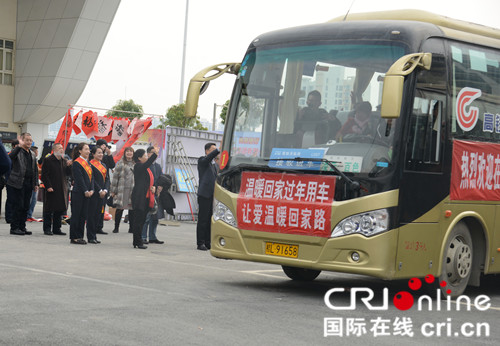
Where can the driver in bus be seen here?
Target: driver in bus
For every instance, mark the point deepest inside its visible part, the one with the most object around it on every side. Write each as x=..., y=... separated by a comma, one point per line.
x=360, y=123
x=315, y=118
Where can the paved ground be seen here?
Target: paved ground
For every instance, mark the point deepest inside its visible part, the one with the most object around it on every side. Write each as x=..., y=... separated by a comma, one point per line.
x=55, y=293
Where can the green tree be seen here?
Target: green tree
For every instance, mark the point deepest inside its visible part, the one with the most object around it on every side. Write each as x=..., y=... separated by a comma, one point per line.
x=175, y=117
x=223, y=112
x=128, y=106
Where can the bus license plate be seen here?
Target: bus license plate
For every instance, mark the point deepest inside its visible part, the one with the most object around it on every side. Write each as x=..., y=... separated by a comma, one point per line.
x=285, y=250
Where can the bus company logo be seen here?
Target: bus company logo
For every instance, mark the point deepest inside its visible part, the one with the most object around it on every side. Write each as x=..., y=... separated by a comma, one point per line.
x=467, y=119
x=404, y=300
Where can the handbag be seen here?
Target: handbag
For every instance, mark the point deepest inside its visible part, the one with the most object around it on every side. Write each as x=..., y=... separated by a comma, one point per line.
x=110, y=203
x=154, y=210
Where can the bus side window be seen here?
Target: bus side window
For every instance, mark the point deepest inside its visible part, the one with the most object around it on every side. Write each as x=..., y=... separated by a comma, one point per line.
x=426, y=135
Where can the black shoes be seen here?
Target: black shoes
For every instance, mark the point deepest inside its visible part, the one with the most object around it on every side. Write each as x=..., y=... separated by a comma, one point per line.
x=144, y=241
x=156, y=241
x=94, y=241
x=115, y=230
x=20, y=232
x=78, y=241
x=59, y=233
x=48, y=233
x=101, y=232
x=140, y=246
x=202, y=247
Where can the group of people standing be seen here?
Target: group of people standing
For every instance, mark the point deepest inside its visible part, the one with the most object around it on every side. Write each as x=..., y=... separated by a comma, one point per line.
x=132, y=187
x=136, y=182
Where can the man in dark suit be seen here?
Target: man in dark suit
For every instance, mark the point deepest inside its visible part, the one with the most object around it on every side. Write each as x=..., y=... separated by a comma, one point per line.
x=207, y=172
x=23, y=179
x=9, y=208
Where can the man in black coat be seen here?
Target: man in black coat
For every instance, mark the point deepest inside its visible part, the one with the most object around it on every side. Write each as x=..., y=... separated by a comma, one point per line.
x=23, y=179
x=55, y=170
x=207, y=172
x=9, y=208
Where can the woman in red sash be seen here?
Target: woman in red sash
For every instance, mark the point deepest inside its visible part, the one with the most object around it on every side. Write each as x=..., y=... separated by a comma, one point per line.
x=143, y=199
x=83, y=189
x=101, y=188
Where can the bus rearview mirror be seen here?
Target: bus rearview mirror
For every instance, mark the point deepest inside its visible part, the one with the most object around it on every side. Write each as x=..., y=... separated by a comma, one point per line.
x=392, y=92
x=199, y=84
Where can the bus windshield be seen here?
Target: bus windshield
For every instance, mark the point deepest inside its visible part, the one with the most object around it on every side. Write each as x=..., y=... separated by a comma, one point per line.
x=316, y=100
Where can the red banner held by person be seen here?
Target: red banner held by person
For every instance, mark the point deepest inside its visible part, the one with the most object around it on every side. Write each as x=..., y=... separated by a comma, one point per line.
x=66, y=129
x=475, y=171
x=286, y=203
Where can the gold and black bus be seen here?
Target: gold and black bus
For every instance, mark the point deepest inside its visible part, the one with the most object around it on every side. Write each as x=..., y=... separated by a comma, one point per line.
x=369, y=144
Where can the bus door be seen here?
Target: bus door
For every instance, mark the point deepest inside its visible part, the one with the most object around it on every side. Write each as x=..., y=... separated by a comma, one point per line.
x=425, y=179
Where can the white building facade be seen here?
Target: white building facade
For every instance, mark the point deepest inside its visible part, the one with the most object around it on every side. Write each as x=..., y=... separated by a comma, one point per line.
x=48, y=49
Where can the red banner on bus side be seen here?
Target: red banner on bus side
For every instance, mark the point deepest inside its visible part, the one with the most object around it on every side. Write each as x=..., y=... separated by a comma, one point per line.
x=286, y=203
x=475, y=171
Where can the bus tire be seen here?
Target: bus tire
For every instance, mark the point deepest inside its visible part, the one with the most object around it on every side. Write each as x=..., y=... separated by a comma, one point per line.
x=300, y=274
x=457, y=261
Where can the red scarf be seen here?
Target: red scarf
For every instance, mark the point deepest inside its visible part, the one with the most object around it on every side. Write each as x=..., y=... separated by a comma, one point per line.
x=100, y=167
x=86, y=166
x=150, y=195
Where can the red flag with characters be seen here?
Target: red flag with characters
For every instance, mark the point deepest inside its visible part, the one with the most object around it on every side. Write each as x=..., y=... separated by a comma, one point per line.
x=104, y=127
x=66, y=129
x=120, y=127
x=77, y=122
x=141, y=125
x=89, y=123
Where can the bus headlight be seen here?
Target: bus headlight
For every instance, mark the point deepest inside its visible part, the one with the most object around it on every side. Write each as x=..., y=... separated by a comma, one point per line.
x=367, y=224
x=222, y=213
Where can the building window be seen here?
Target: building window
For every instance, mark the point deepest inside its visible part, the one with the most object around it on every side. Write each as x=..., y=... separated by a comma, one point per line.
x=6, y=62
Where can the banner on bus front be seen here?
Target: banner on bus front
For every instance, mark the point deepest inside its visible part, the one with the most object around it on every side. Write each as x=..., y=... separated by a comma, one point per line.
x=286, y=203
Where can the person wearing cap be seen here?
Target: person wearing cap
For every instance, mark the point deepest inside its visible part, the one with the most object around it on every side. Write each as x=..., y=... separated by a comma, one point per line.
x=109, y=162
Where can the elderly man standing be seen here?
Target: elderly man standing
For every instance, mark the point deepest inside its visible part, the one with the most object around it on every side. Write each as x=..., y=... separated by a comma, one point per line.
x=55, y=169
x=23, y=179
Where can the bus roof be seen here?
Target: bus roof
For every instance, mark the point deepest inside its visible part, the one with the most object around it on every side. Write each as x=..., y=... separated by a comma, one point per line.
x=452, y=28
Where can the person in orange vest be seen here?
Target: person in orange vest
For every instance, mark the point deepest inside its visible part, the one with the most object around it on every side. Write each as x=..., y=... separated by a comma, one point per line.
x=83, y=189
x=96, y=203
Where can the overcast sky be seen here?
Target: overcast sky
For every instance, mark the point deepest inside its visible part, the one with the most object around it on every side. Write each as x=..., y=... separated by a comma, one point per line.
x=142, y=56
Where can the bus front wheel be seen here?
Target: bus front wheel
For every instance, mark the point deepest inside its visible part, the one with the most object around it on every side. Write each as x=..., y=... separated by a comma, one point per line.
x=457, y=261
x=301, y=274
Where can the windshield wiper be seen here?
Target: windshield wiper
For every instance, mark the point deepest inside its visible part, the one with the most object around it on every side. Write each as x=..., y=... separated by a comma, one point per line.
x=353, y=185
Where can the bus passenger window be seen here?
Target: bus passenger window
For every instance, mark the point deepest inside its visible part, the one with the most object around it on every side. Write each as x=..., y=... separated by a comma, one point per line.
x=426, y=135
